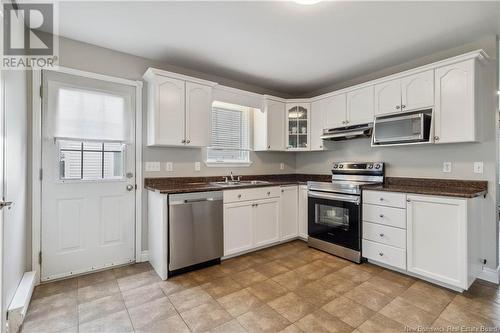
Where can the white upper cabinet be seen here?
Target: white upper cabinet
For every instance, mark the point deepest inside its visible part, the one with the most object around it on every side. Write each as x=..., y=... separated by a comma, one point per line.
x=417, y=91
x=360, y=106
x=335, y=109
x=178, y=110
x=408, y=93
x=269, y=126
x=166, y=118
x=298, y=122
x=198, y=111
x=317, y=124
x=388, y=97
x=455, y=116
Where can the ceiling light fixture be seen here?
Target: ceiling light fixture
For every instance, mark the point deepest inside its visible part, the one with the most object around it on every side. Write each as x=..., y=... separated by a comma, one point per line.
x=307, y=2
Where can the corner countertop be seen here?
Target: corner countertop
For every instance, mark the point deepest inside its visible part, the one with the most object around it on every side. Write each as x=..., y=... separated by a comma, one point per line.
x=428, y=186
x=172, y=185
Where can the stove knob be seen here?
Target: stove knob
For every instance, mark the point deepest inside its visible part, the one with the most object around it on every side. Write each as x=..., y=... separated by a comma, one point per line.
x=377, y=166
x=370, y=166
x=335, y=166
x=341, y=166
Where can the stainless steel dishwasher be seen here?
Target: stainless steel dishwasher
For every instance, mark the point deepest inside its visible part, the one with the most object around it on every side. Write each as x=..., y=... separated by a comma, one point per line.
x=195, y=231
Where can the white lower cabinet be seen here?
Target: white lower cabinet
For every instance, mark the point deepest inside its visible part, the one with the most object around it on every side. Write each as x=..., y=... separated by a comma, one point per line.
x=266, y=221
x=289, y=223
x=238, y=227
x=250, y=224
x=440, y=241
x=432, y=237
x=303, y=215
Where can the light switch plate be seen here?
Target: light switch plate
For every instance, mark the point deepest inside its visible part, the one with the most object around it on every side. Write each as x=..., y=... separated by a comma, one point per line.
x=447, y=167
x=282, y=166
x=170, y=166
x=478, y=167
x=197, y=166
x=152, y=166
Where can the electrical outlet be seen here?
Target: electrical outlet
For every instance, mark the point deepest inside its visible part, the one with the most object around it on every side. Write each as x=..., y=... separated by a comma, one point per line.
x=446, y=166
x=282, y=166
x=478, y=167
x=170, y=166
x=197, y=166
x=152, y=166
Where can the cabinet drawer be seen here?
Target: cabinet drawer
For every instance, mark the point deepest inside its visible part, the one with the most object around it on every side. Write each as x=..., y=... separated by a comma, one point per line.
x=394, y=217
x=238, y=195
x=383, y=234
x=383, y=198
x=386, y=254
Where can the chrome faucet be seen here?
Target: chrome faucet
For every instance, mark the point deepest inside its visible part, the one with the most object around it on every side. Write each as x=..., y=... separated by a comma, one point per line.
x=232, y=177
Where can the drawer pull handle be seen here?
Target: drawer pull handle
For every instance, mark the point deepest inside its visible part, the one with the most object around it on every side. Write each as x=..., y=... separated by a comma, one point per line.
x=268, y=193
x=381, y=235
x=380, y=254
x=381, y=216
x=381, y=199
x=239, y=196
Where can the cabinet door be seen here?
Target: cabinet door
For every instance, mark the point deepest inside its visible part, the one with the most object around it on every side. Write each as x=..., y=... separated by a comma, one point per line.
x=169, y=114
x=303, y=216
x=198, y=111
x=297, y=126
x=275, y=125
x=335, y=109
x=436, y=238
x=266, y=221
x=388, y=97
x=360, y=106
x=417, y=91
x=289, y=227
x=454, y=112
x=238, y=227
x=318, y=123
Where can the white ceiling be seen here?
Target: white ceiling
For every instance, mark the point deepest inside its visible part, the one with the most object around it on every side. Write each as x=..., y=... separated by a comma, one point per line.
x=280, y=45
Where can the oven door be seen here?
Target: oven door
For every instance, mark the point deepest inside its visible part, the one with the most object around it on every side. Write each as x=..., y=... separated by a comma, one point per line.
x=334, y=218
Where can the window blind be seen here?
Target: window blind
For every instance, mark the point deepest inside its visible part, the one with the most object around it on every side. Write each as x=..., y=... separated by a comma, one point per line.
x=229, y=134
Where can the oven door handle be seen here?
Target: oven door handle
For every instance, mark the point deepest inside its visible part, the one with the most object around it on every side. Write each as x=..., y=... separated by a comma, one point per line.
x=340, y=197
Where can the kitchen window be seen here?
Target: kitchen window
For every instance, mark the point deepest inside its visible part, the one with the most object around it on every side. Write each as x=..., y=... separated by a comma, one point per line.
x=230, y=135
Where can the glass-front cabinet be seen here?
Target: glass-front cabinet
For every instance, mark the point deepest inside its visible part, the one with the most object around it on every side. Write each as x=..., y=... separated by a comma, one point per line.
x=298, y=116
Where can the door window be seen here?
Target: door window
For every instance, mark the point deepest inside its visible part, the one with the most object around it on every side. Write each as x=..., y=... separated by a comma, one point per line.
x=90, y=160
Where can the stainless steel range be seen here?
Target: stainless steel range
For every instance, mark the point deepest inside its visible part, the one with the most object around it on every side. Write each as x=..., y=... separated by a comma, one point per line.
x=334, y=208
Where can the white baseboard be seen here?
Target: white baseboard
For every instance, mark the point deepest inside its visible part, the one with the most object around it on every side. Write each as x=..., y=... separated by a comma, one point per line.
x=144, y=256
x=20, y=303
x=490, y=274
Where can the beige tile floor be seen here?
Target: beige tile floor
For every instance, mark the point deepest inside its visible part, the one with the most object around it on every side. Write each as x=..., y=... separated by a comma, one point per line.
x=286, y=288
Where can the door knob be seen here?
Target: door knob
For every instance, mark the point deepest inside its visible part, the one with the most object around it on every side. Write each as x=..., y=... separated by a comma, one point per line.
x=130, y=187
x=5, y=204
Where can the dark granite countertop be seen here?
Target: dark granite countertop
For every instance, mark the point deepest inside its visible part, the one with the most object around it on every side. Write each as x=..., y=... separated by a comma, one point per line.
x=171, y=185
x=428, y=186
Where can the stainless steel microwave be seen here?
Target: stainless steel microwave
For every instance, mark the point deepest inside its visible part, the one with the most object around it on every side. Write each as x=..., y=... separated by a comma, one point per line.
x=414, y=127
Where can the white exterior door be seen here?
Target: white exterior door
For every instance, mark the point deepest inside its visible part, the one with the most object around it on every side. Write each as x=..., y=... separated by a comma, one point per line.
x=88, y=183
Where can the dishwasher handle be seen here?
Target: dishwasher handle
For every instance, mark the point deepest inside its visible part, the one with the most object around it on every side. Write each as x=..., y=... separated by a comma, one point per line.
x=182, y=201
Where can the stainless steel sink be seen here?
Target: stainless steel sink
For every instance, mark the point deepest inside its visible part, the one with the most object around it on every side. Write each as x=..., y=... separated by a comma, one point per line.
x=240, y=183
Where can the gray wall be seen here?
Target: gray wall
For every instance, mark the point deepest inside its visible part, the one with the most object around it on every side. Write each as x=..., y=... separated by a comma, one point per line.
x=423, y=161
x=427, y=161
x=16, y=219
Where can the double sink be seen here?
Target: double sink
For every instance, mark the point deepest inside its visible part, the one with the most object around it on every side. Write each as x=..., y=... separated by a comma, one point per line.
x=235, y=183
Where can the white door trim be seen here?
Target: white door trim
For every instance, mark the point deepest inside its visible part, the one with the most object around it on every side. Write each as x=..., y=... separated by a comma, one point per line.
x=36, y=156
